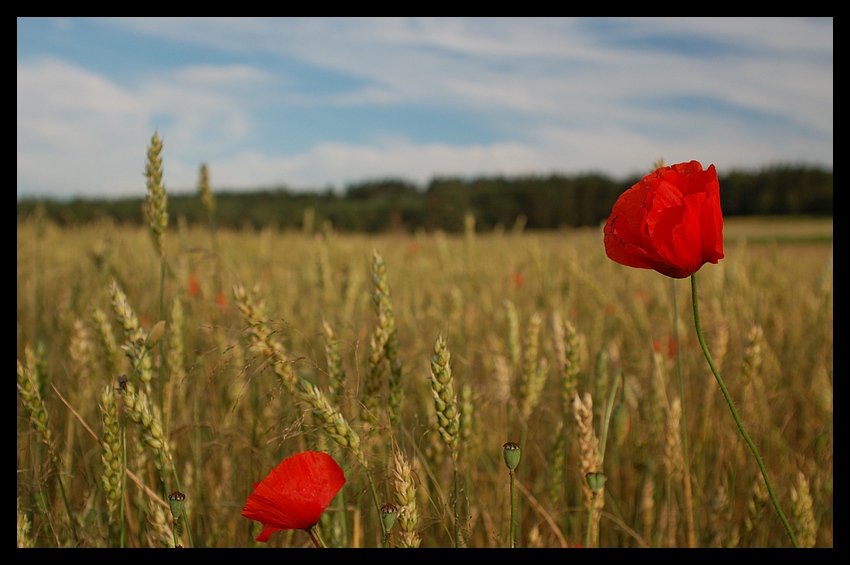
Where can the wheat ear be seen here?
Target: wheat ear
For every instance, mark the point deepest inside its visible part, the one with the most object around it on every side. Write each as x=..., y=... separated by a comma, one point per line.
x=590, y=465
x=156, y=207
x=405, y=494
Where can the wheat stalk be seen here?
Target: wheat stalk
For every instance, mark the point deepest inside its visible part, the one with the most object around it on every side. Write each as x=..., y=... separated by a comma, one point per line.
x=514, y=346
x=445, y=400
x=141, y=410
x=260, y=337
x=336, y=372
x=802, y=509
x=405, y=495
x=107, y=341
x=112, y=457
x=535, y=369
x=176, y=351
x=334, y=423
x=590, y=463
x=28, y=391
x=448, y=414
x=156, y=208
x=207, y=196
x=24, y=526
x=134, y=346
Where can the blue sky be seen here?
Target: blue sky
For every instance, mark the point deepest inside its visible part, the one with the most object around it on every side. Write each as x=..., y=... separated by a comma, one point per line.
x=313, y=104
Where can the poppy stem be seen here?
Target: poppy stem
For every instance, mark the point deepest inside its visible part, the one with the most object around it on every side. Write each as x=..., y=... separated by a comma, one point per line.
x=316, y=536
x=513, y=518
x=735, y=415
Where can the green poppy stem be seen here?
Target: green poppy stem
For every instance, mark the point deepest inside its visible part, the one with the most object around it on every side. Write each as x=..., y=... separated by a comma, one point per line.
x=735, y=415
x=513, y=518
x=316, y=536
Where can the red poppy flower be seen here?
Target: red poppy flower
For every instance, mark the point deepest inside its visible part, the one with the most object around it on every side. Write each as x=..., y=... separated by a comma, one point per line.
x=295, y=493
x=221, y=300
x=670, y=221
x=194, y=284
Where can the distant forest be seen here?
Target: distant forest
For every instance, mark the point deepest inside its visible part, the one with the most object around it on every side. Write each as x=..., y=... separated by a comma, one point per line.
x=535, y=202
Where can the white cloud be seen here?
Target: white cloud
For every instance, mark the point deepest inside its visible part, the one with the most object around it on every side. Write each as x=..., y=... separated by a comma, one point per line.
x=557, y=95
x=81, y=134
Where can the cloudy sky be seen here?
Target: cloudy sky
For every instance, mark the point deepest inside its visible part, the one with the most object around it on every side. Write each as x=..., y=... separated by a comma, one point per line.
x=312, y=104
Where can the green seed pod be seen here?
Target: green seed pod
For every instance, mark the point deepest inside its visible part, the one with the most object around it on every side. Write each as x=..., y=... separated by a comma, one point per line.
x=596, y=481
x=155, y=334
x=620, y=424
x=388, y=514
x=512, y=453
x=175, y=501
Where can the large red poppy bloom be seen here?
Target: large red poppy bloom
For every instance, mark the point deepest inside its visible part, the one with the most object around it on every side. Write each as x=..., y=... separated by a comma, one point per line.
x=670, y=221
x=295, y=493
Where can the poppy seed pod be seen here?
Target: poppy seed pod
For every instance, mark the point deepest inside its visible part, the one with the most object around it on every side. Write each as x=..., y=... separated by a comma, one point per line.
x=155, y=334
x=512, y=453
x=389, y=511
x=596, y=481
x=620, y=424
x=176, y=500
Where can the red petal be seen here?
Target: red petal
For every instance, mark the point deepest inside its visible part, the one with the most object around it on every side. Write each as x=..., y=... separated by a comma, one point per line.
x=295, y=493
x=670, y=221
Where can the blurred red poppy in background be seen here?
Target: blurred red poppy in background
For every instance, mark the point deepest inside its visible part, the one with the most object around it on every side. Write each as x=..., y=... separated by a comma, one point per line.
x=221, y=300
x=194, y=284
x=296, y=492
x=670, y=221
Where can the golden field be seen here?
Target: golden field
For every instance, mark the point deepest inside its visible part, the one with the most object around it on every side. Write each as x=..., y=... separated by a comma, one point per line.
x=511, y=306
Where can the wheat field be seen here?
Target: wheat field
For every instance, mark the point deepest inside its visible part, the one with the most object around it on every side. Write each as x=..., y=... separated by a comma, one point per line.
x=272, y=339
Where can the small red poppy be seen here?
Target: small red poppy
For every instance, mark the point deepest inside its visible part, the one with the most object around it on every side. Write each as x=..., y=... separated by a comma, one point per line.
x=670, y=221
x=194, y=284
x=221, y=300
x=296, y=492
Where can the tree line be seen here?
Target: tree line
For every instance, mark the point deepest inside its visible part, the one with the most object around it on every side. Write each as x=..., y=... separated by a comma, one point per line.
x=537, y=202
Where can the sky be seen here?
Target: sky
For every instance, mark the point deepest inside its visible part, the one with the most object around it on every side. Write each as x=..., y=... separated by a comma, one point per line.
x=318, y=104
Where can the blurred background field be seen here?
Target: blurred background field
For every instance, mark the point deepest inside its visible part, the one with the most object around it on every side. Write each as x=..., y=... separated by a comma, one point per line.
x=502, y=299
